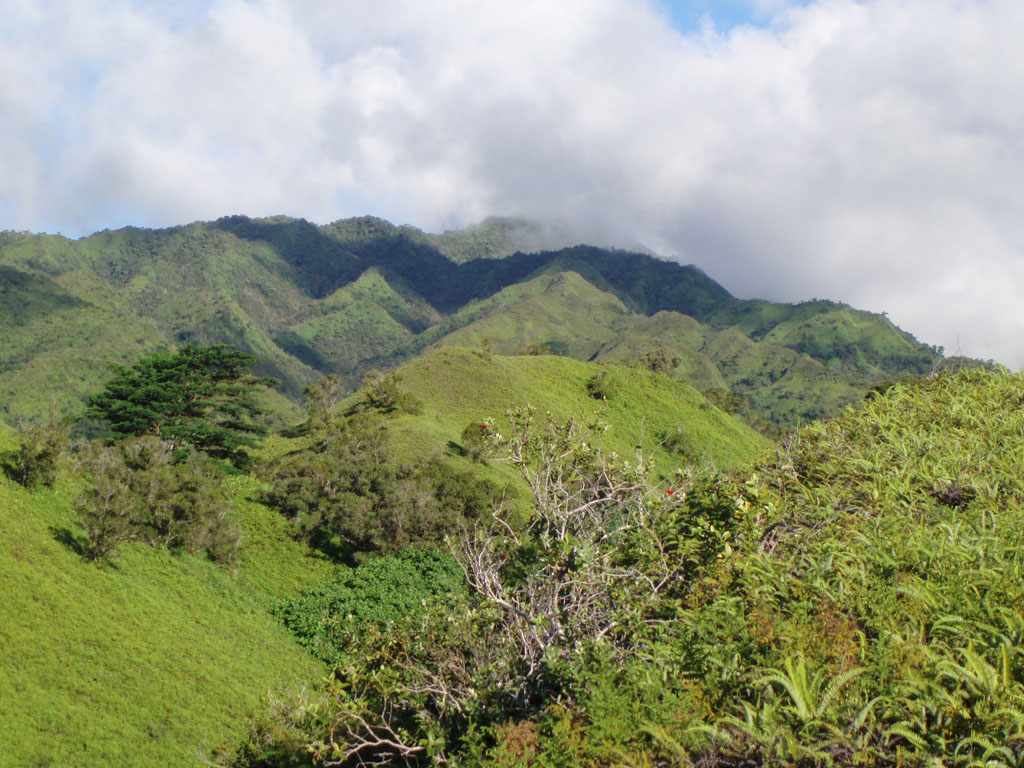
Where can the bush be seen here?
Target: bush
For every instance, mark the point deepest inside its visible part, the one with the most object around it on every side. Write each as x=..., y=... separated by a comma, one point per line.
x=369, y=598
x=349, y=498
x=382, y=394
x=474, y=442
x=140, y=491
x=33, y=463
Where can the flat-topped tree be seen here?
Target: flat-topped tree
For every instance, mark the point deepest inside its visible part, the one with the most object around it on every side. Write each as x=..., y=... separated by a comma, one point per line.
x=197, y=397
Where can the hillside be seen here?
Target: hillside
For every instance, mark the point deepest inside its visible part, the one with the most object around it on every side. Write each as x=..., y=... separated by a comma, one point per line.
x=361, y=294
x=853, y=599
x=668, y=419
x=146, y=662
x=158, y=656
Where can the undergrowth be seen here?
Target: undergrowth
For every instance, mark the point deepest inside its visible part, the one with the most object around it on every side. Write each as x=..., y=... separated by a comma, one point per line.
x=855, y=600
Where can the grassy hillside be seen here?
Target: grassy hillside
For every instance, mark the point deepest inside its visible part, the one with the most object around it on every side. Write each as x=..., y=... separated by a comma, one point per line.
x=146, y=662
x=458, y=386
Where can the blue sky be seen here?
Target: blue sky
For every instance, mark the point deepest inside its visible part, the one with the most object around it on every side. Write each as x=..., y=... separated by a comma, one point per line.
x=869, y=151
x=689, y=16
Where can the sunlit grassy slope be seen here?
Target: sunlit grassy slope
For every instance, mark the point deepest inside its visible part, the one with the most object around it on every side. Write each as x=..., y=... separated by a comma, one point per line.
x=148, y=662
x=458, y=386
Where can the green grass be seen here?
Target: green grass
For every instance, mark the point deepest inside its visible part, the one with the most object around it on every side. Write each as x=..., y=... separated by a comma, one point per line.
x=147, y=662
x=458, y=386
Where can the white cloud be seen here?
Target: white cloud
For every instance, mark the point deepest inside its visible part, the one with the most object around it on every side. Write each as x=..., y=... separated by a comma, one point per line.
x=866, y=151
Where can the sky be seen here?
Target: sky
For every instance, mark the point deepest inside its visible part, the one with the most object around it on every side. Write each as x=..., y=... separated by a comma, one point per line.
x=867, y=151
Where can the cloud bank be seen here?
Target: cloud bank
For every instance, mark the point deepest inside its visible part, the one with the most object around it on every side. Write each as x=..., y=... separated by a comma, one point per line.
x=869, y=151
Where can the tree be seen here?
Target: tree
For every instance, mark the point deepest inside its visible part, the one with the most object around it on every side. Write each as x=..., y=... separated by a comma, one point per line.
x=322, y=398
x=198, y=397
x=348, y=496
x=33, y=463
x=138, y=492
x=659, y=361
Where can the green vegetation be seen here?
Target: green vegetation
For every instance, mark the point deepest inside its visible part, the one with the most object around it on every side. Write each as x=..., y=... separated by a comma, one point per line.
x=147, y=663
x=348, y=496
x=329, y=618
x=140, y=490
x=457, y=387
x=32, y=461
x=362, y=294
x=200, y=398
x=507, y=530
x=856, y=599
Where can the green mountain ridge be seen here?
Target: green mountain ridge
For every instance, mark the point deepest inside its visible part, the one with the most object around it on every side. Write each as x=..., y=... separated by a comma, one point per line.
x=362, y=293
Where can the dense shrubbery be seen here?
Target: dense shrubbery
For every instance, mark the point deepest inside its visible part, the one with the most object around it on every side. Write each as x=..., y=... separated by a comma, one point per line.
x=594, y=575
x=33, y=463
x=858, y=600
x=357, y=601
x=347, y=495
x=141, y=491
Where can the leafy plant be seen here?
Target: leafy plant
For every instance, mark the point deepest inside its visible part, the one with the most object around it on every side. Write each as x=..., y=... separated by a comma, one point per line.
x=139, y=491
x=33, y=463
x=198, y=397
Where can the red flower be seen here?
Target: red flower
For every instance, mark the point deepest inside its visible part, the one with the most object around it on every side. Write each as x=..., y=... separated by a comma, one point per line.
x=670, y=491
x=483, y=426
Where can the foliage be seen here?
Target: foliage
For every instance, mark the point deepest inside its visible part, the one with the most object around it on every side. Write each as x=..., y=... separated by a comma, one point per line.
x=658, y=360
x=591, y=576
x=597, y=385
x=382, y=393
x=328, y=618
x=474, y=441
x=322, y=398
x=33, y=463
x=348, y=496
x=139, y=491
x=198, y=397
x=856, y=600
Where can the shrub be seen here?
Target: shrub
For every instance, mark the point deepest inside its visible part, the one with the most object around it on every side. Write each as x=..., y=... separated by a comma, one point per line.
x=368, y=598
x=33, y=463
x=140, y=491
x=349, y=498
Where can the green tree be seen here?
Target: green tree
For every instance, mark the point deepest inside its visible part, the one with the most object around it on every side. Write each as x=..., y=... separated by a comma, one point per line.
x=348, y=496
x=322, y=398
x=33, y=463
x=198, y=397
x=138, y=492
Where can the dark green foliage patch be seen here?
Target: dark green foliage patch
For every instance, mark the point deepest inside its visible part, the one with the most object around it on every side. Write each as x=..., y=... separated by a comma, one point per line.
x=198, y=397
x=368, y=599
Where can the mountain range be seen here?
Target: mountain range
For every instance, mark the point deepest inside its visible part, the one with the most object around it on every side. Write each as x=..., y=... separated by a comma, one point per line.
x=361, y=294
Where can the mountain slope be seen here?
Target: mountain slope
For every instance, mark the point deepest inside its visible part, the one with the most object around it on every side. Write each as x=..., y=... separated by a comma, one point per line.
x=665, y=417
x=362, y=293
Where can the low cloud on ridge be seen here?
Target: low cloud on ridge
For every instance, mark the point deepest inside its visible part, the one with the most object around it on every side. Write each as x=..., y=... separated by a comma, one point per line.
x=866, y=151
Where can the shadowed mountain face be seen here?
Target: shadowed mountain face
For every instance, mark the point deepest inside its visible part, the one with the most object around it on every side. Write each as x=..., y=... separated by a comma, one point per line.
x=362, y=293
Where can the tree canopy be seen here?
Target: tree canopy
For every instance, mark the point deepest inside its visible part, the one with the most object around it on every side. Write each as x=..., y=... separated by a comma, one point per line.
x=197, y=397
